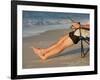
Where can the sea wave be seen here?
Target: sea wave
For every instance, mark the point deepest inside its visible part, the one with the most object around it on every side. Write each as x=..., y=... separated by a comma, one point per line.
x=36, y=30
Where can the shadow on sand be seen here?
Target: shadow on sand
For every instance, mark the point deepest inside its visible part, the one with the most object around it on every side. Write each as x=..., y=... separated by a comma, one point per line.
x=71, y=52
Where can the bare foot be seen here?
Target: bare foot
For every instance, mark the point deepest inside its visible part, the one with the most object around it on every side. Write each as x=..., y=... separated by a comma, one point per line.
x=39, y=53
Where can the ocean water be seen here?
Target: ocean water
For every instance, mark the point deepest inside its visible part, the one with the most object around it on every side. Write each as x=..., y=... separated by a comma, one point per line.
x=36, y=22
x=30, y=29
x=37, y=29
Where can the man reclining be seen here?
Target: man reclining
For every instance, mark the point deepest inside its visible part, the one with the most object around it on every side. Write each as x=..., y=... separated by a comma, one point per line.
x=64, y=42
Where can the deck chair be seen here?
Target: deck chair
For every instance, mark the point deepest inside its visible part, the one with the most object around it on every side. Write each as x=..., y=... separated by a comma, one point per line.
x=83, y=52
x=86, y=40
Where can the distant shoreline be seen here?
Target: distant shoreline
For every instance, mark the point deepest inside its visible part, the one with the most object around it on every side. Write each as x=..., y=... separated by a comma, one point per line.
x=35, y=30
x=64, y=31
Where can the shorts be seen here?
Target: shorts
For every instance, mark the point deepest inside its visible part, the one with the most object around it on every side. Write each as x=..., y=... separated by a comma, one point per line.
x=75, y=35
x=74, y=38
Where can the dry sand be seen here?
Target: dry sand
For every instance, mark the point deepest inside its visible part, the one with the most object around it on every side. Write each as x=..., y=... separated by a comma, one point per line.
x=69, y=57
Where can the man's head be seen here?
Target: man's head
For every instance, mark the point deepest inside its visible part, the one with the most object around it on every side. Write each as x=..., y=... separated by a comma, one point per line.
x=75, y=25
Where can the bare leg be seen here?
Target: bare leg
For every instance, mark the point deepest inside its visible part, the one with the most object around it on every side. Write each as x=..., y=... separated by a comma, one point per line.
x=45, y=50
x=56, y=44
x=53, y=45
x=66, y=43
x=63, y=43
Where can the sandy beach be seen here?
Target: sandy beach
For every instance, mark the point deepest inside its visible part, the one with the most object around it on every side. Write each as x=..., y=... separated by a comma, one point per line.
x=69, y=57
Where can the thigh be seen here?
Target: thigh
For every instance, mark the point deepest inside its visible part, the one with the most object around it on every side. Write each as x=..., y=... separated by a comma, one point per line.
x=68, y=41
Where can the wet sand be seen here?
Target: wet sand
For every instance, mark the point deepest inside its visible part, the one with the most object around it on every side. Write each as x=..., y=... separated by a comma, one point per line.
x=69, y=57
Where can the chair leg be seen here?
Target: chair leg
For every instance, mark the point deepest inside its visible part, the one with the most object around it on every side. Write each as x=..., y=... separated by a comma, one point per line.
x=83, y=54
x=86, y=52
x=82, y=49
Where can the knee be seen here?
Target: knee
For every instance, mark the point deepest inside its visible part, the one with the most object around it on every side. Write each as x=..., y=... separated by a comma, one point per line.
x=64, y=37
x=44, y=57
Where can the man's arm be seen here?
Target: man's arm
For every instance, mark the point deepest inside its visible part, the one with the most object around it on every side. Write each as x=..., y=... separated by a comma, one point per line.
x=86, y=26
